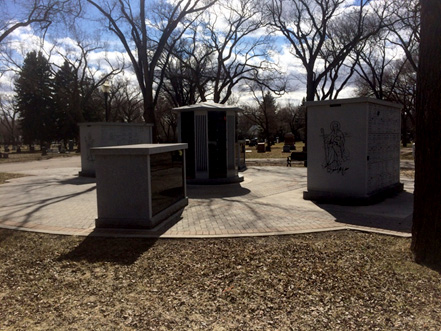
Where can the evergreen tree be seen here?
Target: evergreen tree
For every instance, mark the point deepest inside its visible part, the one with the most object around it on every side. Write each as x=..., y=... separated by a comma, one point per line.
x=92, y=101
x=35, y=99
x=268, y=108
x=66, y=102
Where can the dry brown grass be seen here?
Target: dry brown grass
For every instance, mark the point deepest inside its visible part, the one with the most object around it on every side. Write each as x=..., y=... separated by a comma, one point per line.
x=27, y=157
x=406, y=153
x=337, y=280
x=410, y=173
x=4, y=177
x=276, y=151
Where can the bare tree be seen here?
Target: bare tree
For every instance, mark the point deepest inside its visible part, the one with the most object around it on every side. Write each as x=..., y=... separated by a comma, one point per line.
x=168, y=121
x=88, y=79
x=264, y=115
x=293, y=117
x=227, y=48
x=179, y=87
x=310, y=28
x=38, y=13
x=372, y=66
x=145, y=33
x=241, y=49
x=384, y=73
x=404, y=25
x=8, y=120
x=188, y=73
x=394, y=82
x=125, y=102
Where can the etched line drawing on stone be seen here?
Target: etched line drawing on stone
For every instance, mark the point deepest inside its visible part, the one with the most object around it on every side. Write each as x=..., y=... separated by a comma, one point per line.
x=336, y=154
x=89, y=144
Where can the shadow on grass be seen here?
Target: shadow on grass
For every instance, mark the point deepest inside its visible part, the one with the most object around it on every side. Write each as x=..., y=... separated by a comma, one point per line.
x=120, y=246
x=123, y=251
x=6, y=234
x=433, y=266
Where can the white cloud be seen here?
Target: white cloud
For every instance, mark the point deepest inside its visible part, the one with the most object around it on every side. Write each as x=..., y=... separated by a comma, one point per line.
x=24, y=40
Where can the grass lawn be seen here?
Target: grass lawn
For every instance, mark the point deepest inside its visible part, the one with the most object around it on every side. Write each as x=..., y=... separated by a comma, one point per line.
x=325, y=281
x=276, y=151
x=406, y=153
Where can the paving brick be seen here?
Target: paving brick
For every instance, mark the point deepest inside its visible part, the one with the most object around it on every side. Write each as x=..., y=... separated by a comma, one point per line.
x=269, y=201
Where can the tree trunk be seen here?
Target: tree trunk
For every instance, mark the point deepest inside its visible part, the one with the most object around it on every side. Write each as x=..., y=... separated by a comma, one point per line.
x=310, y=85
x=149, y=115
x=311, y=88
x=426, y=230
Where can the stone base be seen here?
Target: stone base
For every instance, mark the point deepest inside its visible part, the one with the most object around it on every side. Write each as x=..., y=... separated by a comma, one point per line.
x=141, y=223
x=215, y=181
x=87, y=174
x=344, y=199
x=298, y=156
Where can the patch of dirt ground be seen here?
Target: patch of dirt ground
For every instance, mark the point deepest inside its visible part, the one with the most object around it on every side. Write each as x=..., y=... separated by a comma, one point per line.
x=337, y=280
x=4, y=177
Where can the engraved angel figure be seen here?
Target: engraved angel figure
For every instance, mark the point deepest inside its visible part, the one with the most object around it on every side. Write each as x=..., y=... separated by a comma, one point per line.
x=335, y=151
x=89, y=144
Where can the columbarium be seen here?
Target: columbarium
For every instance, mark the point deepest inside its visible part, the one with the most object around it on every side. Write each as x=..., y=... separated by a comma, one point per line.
x=101, y=134
x=139, y=186
x=213, y=153
x=353, y=150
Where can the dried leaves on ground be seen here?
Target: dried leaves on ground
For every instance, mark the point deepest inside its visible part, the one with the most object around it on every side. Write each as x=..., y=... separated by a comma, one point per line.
x=4, y=176
x=335, y=280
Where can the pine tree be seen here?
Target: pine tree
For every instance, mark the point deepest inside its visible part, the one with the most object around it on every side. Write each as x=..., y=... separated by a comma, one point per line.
x=268, y=108
x=35, y=99
x=66, y=102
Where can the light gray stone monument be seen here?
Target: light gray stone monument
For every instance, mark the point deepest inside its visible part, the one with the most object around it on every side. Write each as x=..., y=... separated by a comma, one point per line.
x=210, y=131
x=353, y=150
x=101, y=134
x=139, y=186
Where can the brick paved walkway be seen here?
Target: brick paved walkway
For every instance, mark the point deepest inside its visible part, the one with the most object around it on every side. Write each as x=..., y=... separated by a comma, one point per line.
x=269, y=201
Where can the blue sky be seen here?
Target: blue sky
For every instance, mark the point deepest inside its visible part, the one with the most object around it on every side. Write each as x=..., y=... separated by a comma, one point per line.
x=24, y=40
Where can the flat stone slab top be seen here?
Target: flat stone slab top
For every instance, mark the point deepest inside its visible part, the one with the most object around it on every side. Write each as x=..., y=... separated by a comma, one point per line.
x=208, y=106
x=139, y=149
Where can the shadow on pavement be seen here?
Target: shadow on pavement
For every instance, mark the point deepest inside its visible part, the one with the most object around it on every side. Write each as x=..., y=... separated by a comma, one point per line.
x=216, y=191
x=79, y=180
x=393, y=214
